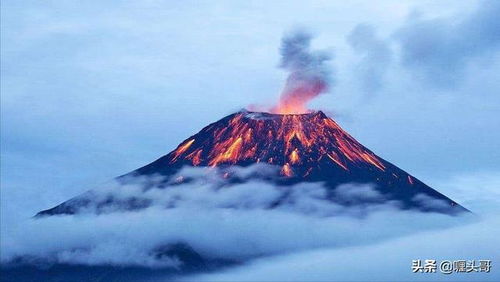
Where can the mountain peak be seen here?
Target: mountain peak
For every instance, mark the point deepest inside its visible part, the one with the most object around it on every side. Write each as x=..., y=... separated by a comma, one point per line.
x=309, y=147
x=280, y=139
x=309, y=114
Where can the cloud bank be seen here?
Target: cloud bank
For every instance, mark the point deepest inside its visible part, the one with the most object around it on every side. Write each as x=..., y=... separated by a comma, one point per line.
x=235, y=223
x=440, y=49
x=384, y=261
x=376, y=56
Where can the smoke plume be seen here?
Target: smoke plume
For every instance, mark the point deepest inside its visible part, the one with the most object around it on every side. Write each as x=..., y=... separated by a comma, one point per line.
x=308, y=74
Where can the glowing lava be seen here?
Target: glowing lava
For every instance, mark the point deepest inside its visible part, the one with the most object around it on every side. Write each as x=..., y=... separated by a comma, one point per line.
x=294, y=157
x=296, y=142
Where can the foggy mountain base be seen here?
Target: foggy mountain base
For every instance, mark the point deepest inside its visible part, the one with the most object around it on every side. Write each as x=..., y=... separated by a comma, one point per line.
x=203, y=225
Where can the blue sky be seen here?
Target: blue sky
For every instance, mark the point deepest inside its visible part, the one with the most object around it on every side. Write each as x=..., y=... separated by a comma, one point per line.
x=91, y=90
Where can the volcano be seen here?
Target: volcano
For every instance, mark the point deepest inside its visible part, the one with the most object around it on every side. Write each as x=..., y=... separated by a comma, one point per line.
x=308, y=147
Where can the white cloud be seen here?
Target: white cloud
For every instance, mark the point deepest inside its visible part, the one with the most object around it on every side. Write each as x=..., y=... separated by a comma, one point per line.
x=237, y=222
x=428, y=202
x=387, y=261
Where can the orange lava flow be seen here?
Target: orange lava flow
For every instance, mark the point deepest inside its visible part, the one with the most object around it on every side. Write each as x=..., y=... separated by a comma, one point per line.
x=299, y=143
x=286, y=170
x=334, y=158
x=195, y=156
x=182, y=148
x=294, y=156
x=231, y=154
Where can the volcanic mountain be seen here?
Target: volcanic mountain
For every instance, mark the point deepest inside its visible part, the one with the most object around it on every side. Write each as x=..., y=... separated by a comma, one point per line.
x=308, y=147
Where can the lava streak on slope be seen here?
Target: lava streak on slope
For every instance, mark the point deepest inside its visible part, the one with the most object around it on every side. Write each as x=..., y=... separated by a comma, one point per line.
x=297, y=142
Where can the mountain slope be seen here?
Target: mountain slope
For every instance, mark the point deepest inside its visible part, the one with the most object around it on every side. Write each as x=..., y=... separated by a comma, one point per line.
x=307, y=148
